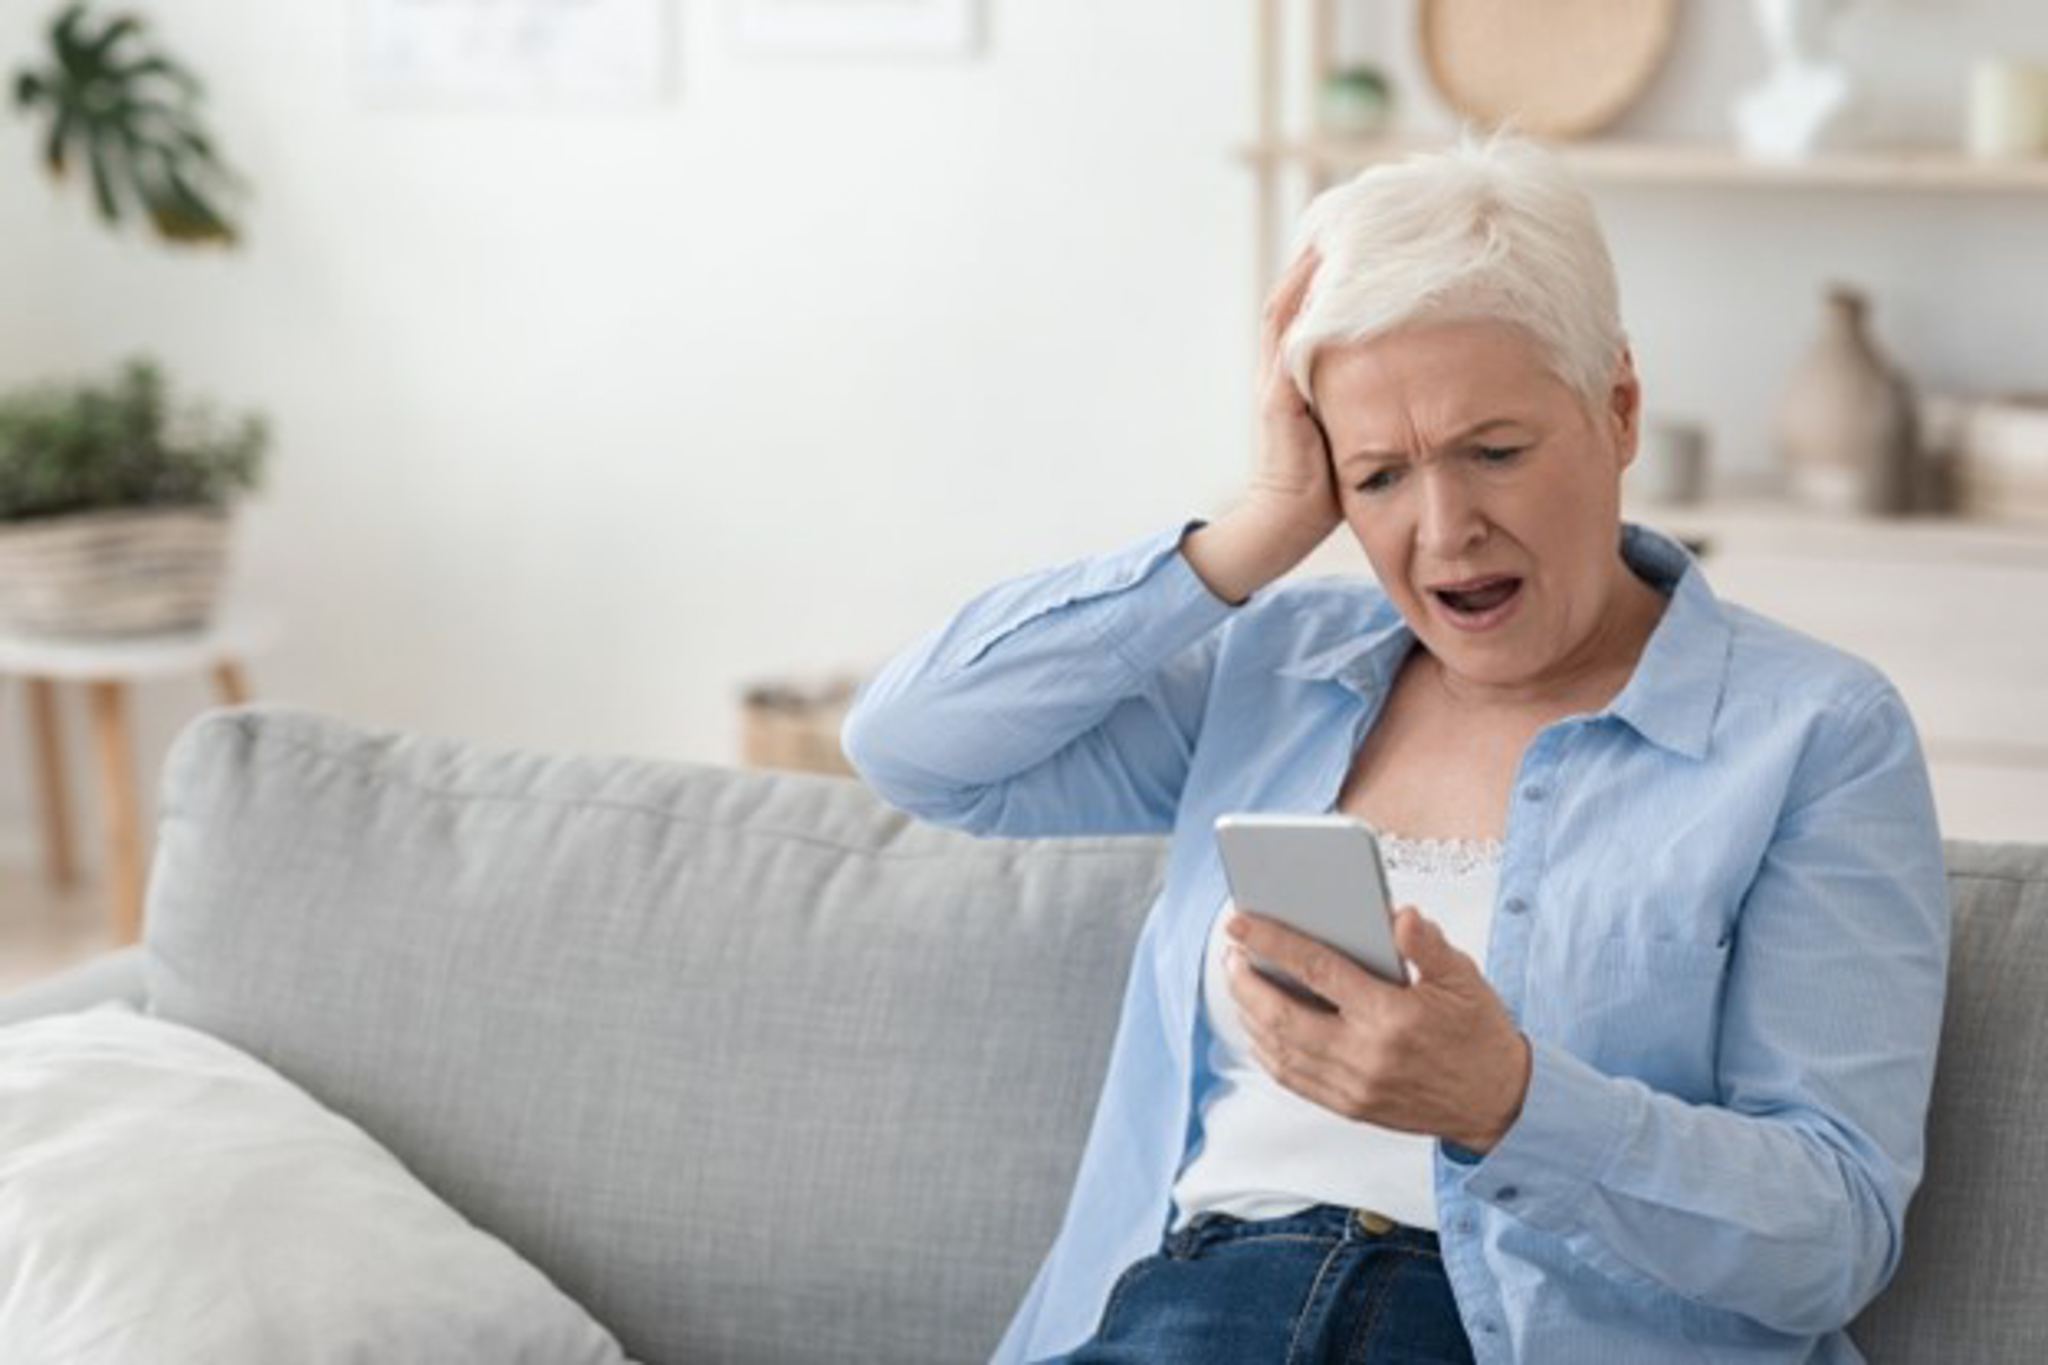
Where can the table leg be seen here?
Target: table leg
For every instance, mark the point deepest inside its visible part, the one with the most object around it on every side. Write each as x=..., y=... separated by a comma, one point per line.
x=60, y=853
x=230, y=682
x=124, y=824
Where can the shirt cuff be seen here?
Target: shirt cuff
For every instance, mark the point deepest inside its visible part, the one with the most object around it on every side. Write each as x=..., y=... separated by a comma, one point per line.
x=1573, y=1120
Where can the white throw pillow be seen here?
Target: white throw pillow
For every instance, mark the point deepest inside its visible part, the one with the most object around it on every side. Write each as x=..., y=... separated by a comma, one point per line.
x=168, y=1200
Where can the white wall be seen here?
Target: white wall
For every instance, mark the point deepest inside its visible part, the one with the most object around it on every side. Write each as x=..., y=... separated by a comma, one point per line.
x=586, y=418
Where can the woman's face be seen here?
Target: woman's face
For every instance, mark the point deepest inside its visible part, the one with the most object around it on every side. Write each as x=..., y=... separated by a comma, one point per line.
x=1485, y=491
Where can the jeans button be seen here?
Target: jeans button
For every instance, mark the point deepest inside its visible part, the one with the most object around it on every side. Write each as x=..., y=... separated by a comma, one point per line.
x=1372, y=1224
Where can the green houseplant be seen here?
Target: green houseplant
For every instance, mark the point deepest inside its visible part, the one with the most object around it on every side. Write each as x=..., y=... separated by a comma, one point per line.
x=109, y=98
x=114, y=505
x=114, y=501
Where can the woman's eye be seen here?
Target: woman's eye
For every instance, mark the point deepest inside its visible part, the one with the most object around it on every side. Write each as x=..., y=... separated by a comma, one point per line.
x=1377, y=482
x=1498, y=454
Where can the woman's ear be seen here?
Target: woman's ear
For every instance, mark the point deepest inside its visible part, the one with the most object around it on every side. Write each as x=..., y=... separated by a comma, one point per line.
x=1625, y=408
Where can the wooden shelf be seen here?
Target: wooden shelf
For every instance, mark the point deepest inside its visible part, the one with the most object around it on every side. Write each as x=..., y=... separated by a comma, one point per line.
x=1767, y=525
x=1652, y=163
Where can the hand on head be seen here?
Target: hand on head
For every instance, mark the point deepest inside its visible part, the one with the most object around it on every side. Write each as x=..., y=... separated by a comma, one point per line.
x=1290, y=502
x=1292, y=478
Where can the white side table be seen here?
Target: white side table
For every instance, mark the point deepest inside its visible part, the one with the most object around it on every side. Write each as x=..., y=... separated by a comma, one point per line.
x=106, y=668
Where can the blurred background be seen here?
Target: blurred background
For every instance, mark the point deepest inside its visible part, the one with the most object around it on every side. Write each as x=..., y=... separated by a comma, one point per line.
x=622, y=358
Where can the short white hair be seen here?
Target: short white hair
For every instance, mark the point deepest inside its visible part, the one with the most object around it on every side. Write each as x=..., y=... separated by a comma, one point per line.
x=1495, y=229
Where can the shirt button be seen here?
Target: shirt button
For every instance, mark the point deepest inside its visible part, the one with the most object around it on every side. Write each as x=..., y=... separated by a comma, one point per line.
x=1490, y=1327
x=1516, y=906
x=1507, y=1194
x=1466, y=1226
x=1535, y=791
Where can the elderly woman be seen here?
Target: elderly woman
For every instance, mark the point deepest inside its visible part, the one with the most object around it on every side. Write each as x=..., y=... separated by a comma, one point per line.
x=1673, y=898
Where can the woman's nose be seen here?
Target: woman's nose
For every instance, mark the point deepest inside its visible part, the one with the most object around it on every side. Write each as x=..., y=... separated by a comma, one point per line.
x=1451, y=518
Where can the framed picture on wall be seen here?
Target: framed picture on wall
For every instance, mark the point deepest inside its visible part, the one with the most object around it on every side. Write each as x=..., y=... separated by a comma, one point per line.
x=513, y=52
x=927, y=28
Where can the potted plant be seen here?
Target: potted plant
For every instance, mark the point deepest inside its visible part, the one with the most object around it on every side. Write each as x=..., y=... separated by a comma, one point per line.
x=114, y=505
x=109, y=98
x=114, y=502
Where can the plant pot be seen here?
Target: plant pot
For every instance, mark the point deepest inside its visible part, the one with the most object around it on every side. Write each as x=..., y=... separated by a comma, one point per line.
x=97, y=574
x=796, y=726
x=1355, y=102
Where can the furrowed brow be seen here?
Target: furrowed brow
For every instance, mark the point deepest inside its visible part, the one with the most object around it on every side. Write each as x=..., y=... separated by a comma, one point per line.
x=1478, y=430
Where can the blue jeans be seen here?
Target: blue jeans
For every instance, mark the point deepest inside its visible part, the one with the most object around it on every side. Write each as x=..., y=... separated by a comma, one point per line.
x=1315, y=1288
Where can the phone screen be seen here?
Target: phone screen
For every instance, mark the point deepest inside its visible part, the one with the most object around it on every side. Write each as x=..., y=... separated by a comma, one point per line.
x=1320, y=874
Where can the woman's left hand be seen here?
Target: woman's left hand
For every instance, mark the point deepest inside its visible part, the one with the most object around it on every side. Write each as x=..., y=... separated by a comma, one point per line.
x=1439, y=1056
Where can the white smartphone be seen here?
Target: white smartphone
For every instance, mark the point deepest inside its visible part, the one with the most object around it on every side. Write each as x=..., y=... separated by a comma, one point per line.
x=1320, y=874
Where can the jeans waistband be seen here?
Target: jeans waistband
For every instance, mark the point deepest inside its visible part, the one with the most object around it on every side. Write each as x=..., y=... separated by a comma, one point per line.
x=1323, y=1222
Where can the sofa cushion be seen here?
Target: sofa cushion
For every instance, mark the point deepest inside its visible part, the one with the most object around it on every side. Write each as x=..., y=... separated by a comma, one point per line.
x=116, y=976
x=1969, y=1288
x=752, y=1066
x=165, y=1198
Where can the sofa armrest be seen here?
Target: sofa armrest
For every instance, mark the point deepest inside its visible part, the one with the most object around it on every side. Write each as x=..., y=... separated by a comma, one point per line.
x=116, y=976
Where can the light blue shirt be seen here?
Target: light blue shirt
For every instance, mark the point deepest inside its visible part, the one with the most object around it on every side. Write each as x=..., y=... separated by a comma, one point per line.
x=1722, y=924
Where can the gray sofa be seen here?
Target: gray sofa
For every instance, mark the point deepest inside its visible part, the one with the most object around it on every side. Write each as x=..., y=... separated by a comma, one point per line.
x=759, y=1070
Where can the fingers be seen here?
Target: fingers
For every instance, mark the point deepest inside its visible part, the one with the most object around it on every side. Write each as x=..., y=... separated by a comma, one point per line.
x=1322, y=969
x=1286, y=298
x=1296, y=1044
x=1422, y=942
x=1279, y=396
x=1442, y=1056
x=1299, y=1072
x=1275, y=1018
x=1294, y=450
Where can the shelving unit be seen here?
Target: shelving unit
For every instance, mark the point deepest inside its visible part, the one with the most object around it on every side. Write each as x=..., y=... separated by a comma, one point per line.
x=1278, y=150
x=1925, y=168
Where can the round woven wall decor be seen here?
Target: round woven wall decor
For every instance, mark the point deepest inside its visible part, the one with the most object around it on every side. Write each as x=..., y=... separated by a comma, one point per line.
x=1552, y=68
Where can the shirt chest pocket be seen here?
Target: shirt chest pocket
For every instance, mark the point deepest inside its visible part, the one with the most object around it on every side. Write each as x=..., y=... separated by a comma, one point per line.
x=1647, y=1008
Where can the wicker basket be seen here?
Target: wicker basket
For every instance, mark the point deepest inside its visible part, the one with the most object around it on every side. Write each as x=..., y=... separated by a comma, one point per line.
x=795, y=726
x=112, y=573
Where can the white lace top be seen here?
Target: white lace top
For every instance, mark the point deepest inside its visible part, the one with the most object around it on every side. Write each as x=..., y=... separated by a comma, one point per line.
x=1267, y=1152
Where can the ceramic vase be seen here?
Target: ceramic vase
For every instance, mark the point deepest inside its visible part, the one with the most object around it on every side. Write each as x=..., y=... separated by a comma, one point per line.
x=1846, y=429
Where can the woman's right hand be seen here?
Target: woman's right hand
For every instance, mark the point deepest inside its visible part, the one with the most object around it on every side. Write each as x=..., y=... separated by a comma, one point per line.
x=1290, y=503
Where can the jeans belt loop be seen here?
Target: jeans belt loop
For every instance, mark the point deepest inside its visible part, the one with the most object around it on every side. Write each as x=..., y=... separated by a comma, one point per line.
x=1373, y=1224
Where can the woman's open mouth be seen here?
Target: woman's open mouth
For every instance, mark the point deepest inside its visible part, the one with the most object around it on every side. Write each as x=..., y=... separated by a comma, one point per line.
x=1478, y=603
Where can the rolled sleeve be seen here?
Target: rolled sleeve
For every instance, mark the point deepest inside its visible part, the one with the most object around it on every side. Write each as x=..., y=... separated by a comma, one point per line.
x=1179, y=610
x=1064, y=702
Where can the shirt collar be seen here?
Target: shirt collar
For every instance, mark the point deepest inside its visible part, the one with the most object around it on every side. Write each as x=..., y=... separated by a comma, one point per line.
x=1675, y=692
x=1671, y=698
